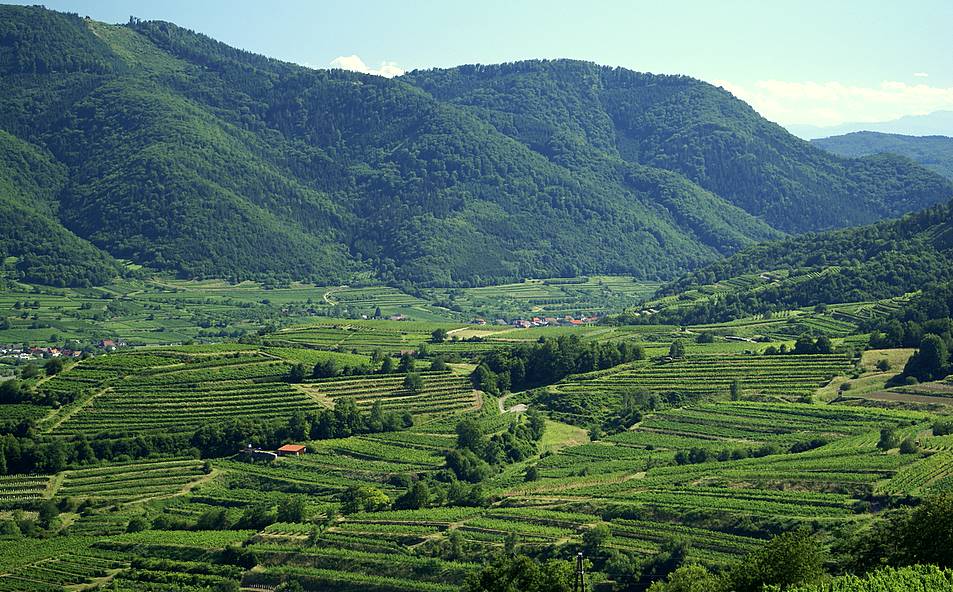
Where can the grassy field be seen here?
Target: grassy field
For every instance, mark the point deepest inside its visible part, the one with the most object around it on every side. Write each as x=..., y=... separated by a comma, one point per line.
x=555, y=297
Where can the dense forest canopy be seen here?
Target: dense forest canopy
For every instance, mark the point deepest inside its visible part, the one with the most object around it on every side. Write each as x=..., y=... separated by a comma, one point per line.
x=172, y=150
x=933, y=152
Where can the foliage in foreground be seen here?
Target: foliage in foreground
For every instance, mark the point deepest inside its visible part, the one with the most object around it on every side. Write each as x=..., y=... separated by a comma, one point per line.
x=916, y=578
x=509, y=574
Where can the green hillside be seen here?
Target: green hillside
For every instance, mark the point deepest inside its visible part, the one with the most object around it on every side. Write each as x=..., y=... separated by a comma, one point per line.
x=933, y=152
x=586, y=116
x=40, y=249
x=872, y=262
x=182, y=154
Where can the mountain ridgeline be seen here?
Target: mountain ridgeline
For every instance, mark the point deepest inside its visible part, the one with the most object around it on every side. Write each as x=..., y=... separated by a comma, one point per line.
x=933, y=152
x=150, y=143
x=871, y=262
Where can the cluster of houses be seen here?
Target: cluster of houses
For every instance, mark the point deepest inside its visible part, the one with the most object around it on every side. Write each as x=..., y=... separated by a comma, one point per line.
x=566, y=321
x=25, y=353
x=111, y=344
x=37, y=353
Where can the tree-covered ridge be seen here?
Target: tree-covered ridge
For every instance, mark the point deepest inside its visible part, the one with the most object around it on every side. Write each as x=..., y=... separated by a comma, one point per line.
x=222, y=211
x=425, y=185
x=926, y=323
x=869, y=262
x=577, y=112
x=183, y=154
x=43, y=41
x=44, y=251
x=933, y=152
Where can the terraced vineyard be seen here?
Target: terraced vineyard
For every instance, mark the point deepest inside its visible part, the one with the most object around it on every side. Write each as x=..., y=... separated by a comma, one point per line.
x=935, y=472
x=73, y=568
x=787, y=377
x=759, y=423
x=15, y=488
x=130, y=482
x=552, y=297
x=442, y=392
x=180, y=390
x=174, y=393
x=363, y=336
x=723, y=474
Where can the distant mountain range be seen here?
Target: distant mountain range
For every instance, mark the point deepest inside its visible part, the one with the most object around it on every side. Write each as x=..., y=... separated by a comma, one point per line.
x=938, y=123
x=151, y=143
x=933, y=152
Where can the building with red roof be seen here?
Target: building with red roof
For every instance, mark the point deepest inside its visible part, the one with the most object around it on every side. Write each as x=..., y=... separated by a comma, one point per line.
x=292, y=450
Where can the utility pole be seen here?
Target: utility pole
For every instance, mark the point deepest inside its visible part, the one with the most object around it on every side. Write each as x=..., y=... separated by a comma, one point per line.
x=579, y=583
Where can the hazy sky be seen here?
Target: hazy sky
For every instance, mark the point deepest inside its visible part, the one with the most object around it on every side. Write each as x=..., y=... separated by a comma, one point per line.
x=798, y=61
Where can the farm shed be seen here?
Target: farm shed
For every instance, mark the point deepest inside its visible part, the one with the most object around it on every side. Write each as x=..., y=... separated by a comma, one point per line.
x=291, y=450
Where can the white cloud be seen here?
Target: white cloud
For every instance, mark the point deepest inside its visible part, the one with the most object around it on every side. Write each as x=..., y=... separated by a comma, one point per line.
x=356, y=64
x=833, y=103
x=920, y=75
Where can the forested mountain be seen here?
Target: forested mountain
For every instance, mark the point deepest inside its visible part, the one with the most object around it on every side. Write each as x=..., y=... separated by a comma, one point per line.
x=580, y=115
x=877, y=261
x=45, y=251
x=933, y=152
x=159, y=145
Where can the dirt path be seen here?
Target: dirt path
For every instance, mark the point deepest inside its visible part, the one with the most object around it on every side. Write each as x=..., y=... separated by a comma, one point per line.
x=188, y=487
x=317, y=396
x=327, y=295
x=906, y=397
x=71, y=410
x=501, y=403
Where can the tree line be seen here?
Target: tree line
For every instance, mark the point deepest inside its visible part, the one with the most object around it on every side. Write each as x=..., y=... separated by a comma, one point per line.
x=548, y=361
x=926, y=324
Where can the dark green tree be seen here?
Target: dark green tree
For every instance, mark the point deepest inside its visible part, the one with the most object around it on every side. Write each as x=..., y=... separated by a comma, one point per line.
x=418, y=496
x=931, y=360
x=326, y=368
x=407, y=363
x=889, y=439
x=521, y=574
x=297, y=373
x=735, y=390
x=788, y=559
x=292, y=509
x=53, y=366
x=413, y=382
x=805, y=345
x=595, y=539
x=676, y=350
x=470, y=436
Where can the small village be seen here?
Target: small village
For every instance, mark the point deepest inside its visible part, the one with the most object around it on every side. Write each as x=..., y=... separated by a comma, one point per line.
x=521, y=323
x=29, y=352
x=565, y=321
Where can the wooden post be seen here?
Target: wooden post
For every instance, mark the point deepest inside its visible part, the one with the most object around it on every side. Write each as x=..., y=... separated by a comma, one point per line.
x=579, y=583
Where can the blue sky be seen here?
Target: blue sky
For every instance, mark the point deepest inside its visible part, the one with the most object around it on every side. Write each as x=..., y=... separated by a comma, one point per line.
x=805, y=61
